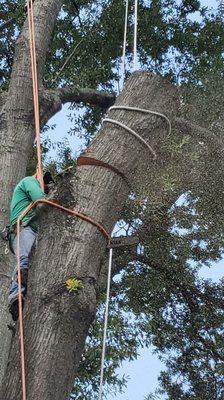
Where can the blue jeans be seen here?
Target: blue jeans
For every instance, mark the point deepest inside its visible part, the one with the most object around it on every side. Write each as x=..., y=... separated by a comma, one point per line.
x=26, y=241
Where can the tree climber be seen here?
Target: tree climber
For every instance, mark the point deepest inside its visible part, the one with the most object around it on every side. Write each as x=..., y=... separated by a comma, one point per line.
x=27, y=191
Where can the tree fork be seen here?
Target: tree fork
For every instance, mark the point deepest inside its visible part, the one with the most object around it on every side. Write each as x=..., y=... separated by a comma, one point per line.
x=56, y=321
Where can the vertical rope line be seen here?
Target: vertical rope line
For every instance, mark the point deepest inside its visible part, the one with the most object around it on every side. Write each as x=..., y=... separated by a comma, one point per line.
x=125, y=39
x=37, y=110
x=37, y=134
x=135, y=36
x=21, y=334
x=105, y=324
x=31, y=48
x=34, y=75
x=35, y=91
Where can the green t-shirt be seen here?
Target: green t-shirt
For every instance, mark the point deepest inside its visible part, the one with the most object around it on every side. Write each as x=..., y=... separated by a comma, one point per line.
x=27, y=191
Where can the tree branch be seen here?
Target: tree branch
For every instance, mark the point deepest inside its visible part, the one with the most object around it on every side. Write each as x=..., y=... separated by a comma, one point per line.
x=53, y=99
x=91, y=96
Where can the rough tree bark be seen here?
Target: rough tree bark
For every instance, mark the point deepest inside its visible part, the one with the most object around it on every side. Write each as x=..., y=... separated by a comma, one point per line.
x=57, y=322
x=93, y=190
x=16, y=136
x=17, y=132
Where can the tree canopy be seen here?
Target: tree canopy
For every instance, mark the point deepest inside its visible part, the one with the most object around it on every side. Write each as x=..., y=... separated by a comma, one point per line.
x=158, y=295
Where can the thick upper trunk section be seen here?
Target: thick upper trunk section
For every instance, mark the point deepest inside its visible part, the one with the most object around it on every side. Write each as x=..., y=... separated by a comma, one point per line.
x=57, y=322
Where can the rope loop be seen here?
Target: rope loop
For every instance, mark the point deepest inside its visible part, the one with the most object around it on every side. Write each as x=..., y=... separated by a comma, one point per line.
x=145, y=111
x=134, y=133
x=120, y=124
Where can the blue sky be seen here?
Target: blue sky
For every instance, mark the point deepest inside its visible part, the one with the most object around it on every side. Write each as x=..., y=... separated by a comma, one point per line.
x=144, y=371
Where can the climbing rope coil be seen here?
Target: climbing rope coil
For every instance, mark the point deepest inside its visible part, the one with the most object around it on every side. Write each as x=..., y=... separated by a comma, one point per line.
x=82, y=160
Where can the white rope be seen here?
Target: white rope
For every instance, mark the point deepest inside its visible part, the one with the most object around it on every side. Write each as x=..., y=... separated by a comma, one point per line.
x=135, y=134
x=111, y=250
x=135, y=36
x=113, y=121
x=105, y=324
x=125, y=38
x=145, y=111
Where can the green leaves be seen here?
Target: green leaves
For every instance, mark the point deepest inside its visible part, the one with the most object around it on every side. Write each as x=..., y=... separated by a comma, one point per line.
x=74, y=285
x=158, y=295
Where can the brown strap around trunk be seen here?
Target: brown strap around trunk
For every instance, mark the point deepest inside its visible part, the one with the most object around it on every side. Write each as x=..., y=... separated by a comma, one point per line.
x=87, y=160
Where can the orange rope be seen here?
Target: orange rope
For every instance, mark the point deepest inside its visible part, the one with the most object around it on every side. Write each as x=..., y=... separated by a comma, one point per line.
x=76, y=214
x=22, y=350
x=40, y=178
x=35, y=90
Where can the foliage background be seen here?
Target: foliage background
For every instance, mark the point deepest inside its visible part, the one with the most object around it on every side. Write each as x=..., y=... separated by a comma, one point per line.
x=159, y=297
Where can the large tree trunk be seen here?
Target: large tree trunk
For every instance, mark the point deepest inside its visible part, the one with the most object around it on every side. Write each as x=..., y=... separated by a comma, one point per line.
x=57, y=322
x=16, y=138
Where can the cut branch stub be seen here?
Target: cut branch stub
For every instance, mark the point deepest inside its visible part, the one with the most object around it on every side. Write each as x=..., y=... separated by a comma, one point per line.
x=56, y=321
